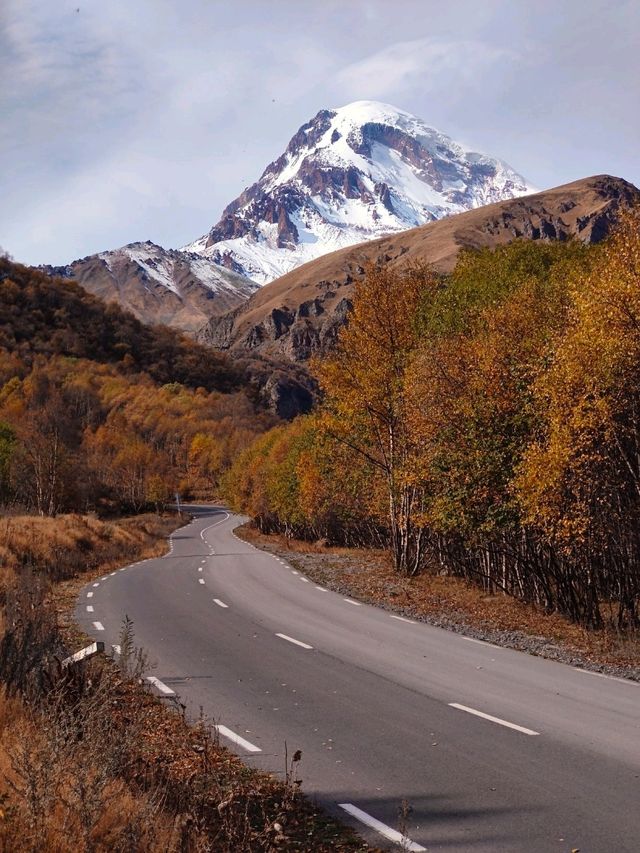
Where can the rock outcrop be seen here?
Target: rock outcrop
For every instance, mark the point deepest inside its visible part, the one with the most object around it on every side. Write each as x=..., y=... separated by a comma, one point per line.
x=301, y=313
x=157, y=285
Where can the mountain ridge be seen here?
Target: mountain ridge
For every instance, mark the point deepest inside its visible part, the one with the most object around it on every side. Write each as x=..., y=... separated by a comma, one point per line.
x=161, y=286
x=350, y=174
x=300, y=313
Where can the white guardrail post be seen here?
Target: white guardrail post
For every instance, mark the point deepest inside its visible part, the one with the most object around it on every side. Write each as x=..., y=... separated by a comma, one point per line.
x=87, y=652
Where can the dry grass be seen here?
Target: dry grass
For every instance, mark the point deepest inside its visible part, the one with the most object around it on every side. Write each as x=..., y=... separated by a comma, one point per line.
x=454, y=603
x=91, y=762
x=67, y=545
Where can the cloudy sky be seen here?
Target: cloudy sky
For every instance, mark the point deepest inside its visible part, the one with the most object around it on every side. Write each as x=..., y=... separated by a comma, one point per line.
x=141, y=119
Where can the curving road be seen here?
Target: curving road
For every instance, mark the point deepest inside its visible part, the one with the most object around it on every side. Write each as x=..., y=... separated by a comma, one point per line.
x=494, y=750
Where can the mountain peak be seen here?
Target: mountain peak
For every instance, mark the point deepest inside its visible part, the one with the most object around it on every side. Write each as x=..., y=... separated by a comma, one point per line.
x=351, y=174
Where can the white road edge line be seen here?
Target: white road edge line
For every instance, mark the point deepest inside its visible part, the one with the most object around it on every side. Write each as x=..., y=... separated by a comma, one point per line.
x=200, y=581
x=402, y=619
x=89, y=595
x=98, y=626
x=89, y=608
x=497, y=720
x=232, y=736
x=296, y=642
x=382, y=828
x=293, y=572
x=96, y=584
x=199, y=568
x=604, y=675
x=481, y=642
x=304, y=580
x=322, y=589
x=350, y=601
x=160, y=686
x=220, y=603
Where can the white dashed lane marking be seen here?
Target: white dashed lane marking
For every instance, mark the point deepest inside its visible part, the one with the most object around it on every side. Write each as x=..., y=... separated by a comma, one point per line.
x=382, y=828
x=492, y=719
x=295, y=642
x=160, y=686
x=234, y=738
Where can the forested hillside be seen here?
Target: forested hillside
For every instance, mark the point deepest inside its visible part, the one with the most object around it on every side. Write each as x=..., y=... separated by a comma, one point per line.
x=98, y=411
x=483, y=423
x=41, y=315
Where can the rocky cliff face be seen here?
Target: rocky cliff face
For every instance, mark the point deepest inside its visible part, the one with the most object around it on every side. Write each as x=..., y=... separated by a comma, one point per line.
x=349, y=175
x=301, y=313
x=178, y=289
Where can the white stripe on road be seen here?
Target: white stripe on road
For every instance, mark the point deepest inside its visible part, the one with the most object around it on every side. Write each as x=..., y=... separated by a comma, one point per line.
x=304, y=580
x=160, y=686
x=200, y=581
x=232, y=736
x=493, y=719
x=96, y=584
x=220, y=603
x=199, y=568
x=402, y=619
x=322, y=589
x=355, y=603
x=291, y=640
x=89, y=595
x=98, y=626
x=604, y=675
x=382, y=828
x=481, y=642
x=293, y=572
x=89, y=608
x=202, y=532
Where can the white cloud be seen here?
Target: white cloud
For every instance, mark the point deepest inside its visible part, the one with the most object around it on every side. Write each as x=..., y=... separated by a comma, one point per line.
x=141, y=119
x=433, y=65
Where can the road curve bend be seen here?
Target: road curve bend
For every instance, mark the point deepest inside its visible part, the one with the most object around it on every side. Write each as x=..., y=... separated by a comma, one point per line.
x=493, y=750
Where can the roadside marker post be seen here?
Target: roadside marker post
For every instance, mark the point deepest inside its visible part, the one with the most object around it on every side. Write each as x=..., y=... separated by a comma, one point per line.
x=87, y=652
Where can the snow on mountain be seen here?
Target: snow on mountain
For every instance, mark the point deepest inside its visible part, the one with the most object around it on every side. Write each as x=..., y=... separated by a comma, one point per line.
x=349, y=175
x=170, y=268
x=180, y=289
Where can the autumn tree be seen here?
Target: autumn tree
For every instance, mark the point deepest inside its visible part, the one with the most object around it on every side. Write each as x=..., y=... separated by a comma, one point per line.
x=8, y=444
x=365, y=406
x=579, y=483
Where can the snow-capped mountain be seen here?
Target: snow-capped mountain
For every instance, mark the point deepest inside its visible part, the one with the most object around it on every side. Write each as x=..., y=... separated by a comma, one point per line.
x=349, y=175
x=180, y=289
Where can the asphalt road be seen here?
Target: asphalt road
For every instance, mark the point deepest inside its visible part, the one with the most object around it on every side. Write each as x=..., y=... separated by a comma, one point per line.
x=493, y=750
